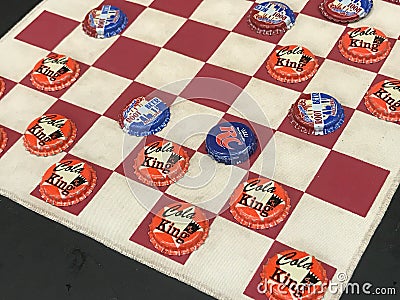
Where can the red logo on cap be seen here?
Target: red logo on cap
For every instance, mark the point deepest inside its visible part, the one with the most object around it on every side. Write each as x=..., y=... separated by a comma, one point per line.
x=227, y=135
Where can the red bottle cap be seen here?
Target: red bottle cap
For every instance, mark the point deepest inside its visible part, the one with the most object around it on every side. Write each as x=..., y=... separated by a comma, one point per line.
x=271, y=17
x=49, y=135
x=67, y=182
x=364, y=45
x=345, y=11
x=178, y=229
x=54, y=72
x=3, y=139
x=293, y=274
x=161, y=163
x=383, y=100
x=259, y=203
x=2, y=87
x=292, y=64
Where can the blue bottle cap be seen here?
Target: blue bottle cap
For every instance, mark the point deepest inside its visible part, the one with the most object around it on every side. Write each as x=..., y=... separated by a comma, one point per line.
x=144, y=117
x=231, y=142
x=106, y=21
x=345, y=11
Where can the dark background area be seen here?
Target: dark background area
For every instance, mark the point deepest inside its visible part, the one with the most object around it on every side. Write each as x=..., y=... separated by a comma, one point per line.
x=40, y=259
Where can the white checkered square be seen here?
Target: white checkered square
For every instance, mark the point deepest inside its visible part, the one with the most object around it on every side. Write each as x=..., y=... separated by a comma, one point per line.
x=21, y=106
x=242, y=54
x=345, y=83
x=96, y=90
x=391, y=65
x=74, y=9
x=154, y=27
x=264, y=103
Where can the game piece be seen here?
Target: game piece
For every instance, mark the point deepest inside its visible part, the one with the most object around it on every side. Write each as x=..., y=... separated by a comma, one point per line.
x=143, y=117
x=2, y=87
x=231, y=143
x=292, y=64
x=383, y=100
x=345, y=11
x=104, y=21
x=259, y=203
x=316, y=113
x=293, y=274
x=54, y=72
x=67, y=182
x=364, y=45
x=161, y=163
x=270, y=18
x=3, y=139
x=49, y=135
x=178, y=229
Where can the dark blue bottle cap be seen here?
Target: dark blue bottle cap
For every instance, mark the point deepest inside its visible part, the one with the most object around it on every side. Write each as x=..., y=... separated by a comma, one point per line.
x=106, y=21
x=231, y=142
x=144, y=117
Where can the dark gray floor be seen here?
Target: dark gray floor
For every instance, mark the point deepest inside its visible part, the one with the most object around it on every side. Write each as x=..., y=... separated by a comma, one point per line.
x=40, y=259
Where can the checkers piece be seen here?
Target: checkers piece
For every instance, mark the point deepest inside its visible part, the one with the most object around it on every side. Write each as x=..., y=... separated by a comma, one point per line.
x=383, y=100
x=231, y=143
x=161, y=163
x=271, y=18
x=292, y=64
x=2, y=87
x=67, y=182
x=3, y=139
x=178, y=229
x=104, y=21
x=49, y=135
x=316, y=113
x=143, y=117
x=364, y=45
x=54, y=72
x=345, y=11
x=259, y=203
x=293, y=274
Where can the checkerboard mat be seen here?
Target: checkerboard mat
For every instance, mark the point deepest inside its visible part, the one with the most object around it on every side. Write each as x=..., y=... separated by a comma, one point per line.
x=340, y=184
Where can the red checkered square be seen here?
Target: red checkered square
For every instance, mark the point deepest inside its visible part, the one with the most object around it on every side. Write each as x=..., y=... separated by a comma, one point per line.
x=9, y=85
x=83, y=118
x=130, y=9
x=181, y=8
x=263, y=74
x=272, y=232
x=337, y=56
x=348, y=183
x=126, y=167
x=263, y=134
x=312, y=9
x=127, y=57
x=55, y=27
x=141, y=235
x=196, y=40
x=243, y=28
x=26, y=81
x=134, y=90
x=252, y=291
x=327, y=140
x=216, y=94
x=12, y=136
x=102, y=175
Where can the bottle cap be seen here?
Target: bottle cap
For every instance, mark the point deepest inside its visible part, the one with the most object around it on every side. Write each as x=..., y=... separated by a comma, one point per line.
x=259, y=203
x=293, y=274
x=49, y=135
x=142, y=117
x=178, y=229
x=231, y=142
x=3, y=139
x=364, y=45
x=292, y=64
x=270, y=18
x=161, y=163
x=104, y=21
x=383, y=100
x=67, y=182
x=345, y=11
x=54, y=72
x=316, y=113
